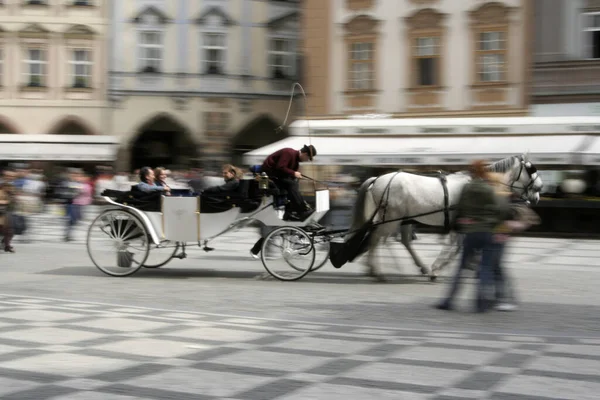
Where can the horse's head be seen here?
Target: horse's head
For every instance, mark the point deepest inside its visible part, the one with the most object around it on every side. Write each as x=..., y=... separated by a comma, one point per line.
x=524, y=179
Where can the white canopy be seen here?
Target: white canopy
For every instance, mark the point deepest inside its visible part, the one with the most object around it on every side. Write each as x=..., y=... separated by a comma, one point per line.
x=448, y=126
x=428, y=150
x=25, y=147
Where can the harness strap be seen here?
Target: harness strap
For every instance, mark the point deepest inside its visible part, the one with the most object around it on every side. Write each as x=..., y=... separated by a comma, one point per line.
x=444, y=182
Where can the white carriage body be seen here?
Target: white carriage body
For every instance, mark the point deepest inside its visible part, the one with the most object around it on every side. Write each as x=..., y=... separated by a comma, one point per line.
x=182, y=220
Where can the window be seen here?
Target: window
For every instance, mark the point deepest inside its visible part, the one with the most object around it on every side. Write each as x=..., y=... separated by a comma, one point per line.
x=491, y=55
x=151, y=51
x=81, y=68
x=427, y=59
x=282, y=58
x=35, y=67
x=361, y=66
x=81, y=3
x=36, y=2
x=213, y=48
x=591, y=35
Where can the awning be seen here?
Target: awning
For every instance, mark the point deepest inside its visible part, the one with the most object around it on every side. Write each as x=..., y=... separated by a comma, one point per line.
x=591, y=154
x=24, y=147
x=349, y=150
x=448, y=126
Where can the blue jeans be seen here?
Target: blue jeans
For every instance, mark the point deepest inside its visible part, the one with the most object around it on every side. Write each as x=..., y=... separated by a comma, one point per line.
x=73, y=213
x=504, y=289
x=472, y=242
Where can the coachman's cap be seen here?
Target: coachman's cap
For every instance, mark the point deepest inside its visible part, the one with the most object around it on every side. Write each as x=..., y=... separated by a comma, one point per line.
x=310, y=150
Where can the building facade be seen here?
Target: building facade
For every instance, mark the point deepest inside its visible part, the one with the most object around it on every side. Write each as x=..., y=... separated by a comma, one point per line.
x=413, y=58
x=53, y=67
x=566, y=69
x=193, y=80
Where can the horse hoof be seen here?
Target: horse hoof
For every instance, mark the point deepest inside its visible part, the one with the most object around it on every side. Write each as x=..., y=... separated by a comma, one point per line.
x=424, y=271
x=433, y=278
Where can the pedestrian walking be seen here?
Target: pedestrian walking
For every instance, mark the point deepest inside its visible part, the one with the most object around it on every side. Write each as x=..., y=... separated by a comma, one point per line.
x=479, y=211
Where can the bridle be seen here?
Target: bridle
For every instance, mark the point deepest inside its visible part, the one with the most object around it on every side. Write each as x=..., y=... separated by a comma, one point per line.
x=531, y=171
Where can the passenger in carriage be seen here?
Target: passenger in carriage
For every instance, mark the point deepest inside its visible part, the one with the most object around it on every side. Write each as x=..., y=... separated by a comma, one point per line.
x=160, y=175
x=282, y=166
x=232, y=176
x=147, y=182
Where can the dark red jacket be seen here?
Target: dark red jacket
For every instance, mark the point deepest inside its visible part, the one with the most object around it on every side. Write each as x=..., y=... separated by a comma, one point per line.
x=282, y=164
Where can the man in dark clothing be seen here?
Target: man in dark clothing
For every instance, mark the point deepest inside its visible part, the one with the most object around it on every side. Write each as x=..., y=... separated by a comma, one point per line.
x=282, y=166
x=232, y=176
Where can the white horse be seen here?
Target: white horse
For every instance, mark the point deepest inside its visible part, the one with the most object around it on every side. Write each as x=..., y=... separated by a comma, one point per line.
x=403, y=197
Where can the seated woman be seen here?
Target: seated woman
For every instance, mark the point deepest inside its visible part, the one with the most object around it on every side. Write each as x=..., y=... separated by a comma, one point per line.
x=160, y=176
x=147, y=182
x=232, y=176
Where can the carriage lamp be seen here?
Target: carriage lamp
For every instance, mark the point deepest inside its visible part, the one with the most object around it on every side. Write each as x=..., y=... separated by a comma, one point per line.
x=263, y=181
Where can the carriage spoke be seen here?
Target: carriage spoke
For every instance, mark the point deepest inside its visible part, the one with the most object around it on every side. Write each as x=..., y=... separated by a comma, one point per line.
x=293, y=258
x=117, y=242
x=135, y=232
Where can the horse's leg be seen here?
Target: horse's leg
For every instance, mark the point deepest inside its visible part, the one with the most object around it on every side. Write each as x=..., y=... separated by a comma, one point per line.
x=448, y=253
x=393, y=253
x=373, y=269
x=407, y=235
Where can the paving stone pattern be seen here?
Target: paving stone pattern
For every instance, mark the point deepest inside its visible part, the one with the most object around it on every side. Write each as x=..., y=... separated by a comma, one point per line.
x=58, y=349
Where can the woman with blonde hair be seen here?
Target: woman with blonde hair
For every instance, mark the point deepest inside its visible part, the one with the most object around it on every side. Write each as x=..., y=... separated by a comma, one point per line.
x=232, y=176
x=160, y=177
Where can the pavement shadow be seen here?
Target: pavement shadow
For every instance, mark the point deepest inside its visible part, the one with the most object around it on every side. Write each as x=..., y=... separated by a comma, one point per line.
x=337, y=278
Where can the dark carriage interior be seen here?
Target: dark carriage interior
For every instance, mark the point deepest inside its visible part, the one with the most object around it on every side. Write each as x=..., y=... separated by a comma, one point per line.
x=247, y=196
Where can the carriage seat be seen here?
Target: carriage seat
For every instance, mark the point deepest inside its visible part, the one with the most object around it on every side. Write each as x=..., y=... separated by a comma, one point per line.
x=144, y=201
x=244, y=196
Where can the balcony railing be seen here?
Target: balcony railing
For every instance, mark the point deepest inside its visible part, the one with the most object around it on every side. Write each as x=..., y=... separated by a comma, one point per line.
x=566, y=78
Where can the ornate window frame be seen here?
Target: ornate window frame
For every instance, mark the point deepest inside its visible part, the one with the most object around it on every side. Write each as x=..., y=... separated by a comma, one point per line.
x=361, y=29
x=150, y=20
x=489, y=18
x=206, y=29
x=34, y=37
x=425, y=24
x=278, y=31
x=80, y=37
x=587, y=30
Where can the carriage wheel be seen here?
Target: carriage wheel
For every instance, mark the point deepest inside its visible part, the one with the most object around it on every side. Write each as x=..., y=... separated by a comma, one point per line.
x=160, y=256
x=322, y=250
x=288, y=253
x=117, y=243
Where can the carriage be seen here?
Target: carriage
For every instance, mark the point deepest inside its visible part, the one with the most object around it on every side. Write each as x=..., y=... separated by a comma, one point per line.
x=139, y=230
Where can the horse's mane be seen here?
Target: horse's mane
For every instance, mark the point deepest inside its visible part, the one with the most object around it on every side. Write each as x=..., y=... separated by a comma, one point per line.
x=503, y=165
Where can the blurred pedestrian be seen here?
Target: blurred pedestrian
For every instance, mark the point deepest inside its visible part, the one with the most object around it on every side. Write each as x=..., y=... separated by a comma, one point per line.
x=479, y=211
x=5, y=216
x=519, y=218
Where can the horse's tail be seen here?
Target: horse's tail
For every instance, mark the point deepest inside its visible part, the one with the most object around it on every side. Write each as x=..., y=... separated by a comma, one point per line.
x=364, y=206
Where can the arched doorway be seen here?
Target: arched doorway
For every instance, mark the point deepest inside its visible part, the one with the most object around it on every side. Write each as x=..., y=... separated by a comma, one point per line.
x=258, y=133
x=162, y=141
x=7, y=127
x=71, y=125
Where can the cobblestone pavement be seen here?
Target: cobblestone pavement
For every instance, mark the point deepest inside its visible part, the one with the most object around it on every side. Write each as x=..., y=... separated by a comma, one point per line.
x=206, y=328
